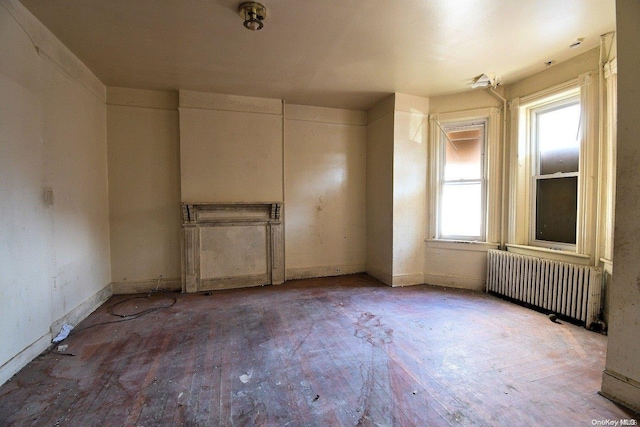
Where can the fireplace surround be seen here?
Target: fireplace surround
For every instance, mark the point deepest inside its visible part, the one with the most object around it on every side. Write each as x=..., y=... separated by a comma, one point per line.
x=231, y=245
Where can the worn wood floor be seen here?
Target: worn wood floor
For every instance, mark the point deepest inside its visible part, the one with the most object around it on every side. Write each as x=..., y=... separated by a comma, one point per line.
x=345, y=351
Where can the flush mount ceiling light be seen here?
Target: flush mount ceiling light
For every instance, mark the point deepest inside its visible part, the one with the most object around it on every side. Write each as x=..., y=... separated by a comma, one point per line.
x=253, y=14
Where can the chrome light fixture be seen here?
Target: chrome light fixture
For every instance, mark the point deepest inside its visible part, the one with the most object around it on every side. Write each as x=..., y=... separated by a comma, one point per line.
x=253, y=14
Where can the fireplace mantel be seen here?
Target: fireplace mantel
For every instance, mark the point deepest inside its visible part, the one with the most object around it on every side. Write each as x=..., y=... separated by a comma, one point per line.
x=231, y=245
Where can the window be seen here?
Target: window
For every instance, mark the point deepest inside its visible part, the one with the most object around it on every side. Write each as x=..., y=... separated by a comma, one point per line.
x=554, y=179
x=462, y=181
x=465, y=178
x=556, y=145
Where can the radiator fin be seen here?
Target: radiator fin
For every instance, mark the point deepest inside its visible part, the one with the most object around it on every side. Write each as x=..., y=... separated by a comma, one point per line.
x=571, y=290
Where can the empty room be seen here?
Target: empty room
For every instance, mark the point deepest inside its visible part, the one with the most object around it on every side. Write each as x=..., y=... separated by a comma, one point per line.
x=319, y=213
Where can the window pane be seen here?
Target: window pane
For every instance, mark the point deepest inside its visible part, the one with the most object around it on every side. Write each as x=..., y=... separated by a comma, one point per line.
x=558, y=139
x=461, y=213
x=464, y=154
x=557, y=209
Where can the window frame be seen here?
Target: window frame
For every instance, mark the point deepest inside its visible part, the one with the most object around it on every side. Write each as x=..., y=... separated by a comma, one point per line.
x=552, y=104
x=442, y=181
x=519, y=197
x=492, y=164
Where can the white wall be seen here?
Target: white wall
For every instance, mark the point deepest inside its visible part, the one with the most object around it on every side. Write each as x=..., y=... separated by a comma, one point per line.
x=470, y=100
x=243, y=149
x=144, y=189
x=411, y=122
x=230, y=148
x=325, y=179
x=54, y=257
x=379, y=193
x=621, y=378
x=396, y=185
x=554, y=75
x=452, y=264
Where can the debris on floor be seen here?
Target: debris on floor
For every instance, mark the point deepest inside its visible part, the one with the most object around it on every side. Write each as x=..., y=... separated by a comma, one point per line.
x=64, y=333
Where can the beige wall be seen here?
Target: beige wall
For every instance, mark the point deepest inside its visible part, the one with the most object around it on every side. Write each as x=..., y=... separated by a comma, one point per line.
x=463, y=265
x=396, y=184
x=456, y=264
x=354, y=196
x=470, y=100
x=379, y=193
x=325, y=197
x=144, y=189
x=554, y=75
x=54, y=250
x=411, y=121
x=230, y=148
x=621, y=378
x=74, y=138
x=325, y=165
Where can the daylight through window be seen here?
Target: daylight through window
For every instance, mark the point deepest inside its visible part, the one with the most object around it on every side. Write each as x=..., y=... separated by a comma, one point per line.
x=556, y=137
x=462, y=182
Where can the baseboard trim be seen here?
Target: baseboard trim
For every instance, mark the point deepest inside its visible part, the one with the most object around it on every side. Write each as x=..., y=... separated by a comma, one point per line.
x=450, y=281
x=620, y=389
x=73, y=317
x=408, y=279
x=382, y=276
x=20, y=360
x=83, y=310
x=142, y=286
x=324, y=271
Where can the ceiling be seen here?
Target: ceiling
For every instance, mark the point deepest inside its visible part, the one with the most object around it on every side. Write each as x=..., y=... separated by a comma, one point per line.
x=334, y=53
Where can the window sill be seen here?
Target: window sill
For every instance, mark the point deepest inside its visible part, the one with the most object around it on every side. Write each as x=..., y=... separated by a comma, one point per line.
x=461, y=245
x=553, y=254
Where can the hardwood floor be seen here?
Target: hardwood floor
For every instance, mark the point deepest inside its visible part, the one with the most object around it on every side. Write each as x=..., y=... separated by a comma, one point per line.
x=344, y=351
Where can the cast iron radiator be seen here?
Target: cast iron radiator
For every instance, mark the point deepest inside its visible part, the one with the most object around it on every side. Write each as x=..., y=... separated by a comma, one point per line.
x=571, y=290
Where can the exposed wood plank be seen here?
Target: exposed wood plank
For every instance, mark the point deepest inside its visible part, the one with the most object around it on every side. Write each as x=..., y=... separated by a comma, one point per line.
x=333, y=351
